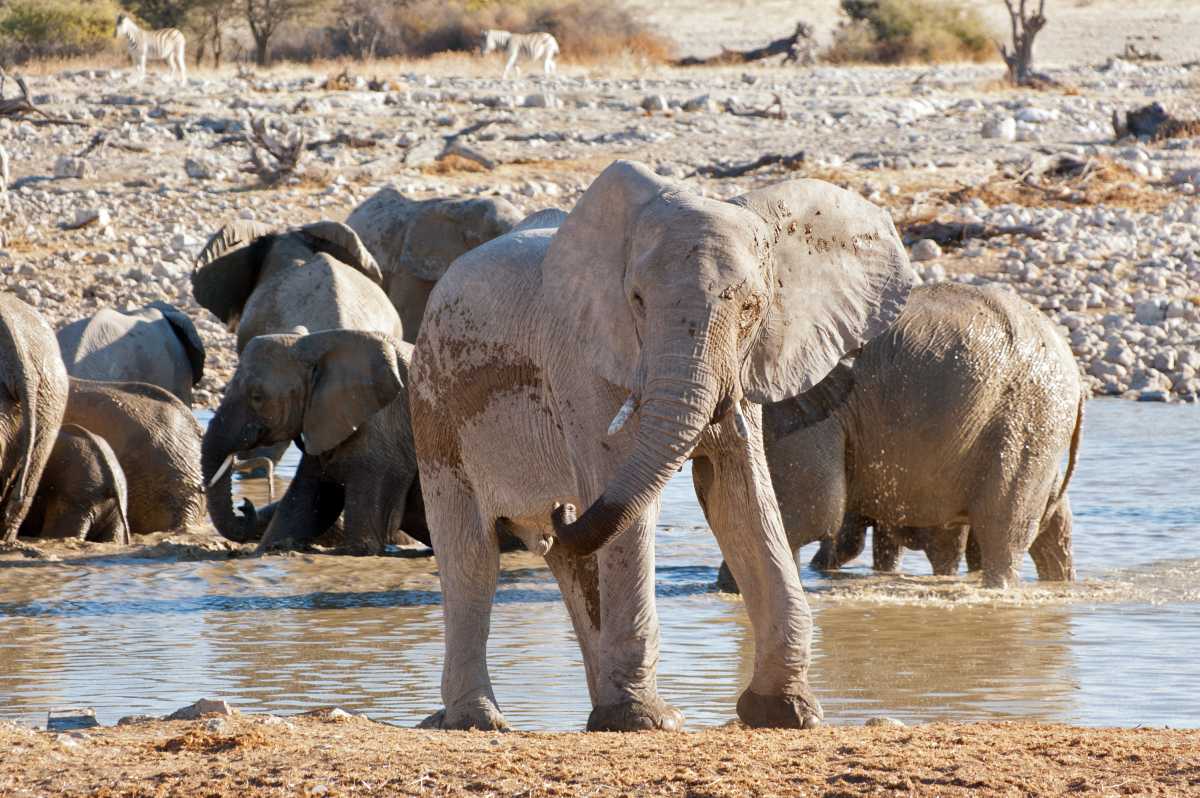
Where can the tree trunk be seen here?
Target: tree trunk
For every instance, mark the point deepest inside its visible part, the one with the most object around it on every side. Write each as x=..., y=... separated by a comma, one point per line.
x=262, y=52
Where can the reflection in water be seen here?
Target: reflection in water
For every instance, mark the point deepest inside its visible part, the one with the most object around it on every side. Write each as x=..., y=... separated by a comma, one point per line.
x=289, y=633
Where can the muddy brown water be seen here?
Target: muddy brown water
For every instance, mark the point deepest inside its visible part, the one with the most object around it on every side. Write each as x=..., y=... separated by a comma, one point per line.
x=283, y=634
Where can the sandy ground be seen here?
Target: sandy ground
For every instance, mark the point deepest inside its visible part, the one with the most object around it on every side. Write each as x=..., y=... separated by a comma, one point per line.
x=335, y=756
x=1077, y=31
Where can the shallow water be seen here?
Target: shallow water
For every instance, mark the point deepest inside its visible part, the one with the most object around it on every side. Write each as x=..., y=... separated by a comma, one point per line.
x=289, y=633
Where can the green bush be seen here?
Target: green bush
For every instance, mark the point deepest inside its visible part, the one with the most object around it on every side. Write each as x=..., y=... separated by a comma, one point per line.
x=36, y=29
x=906, y=31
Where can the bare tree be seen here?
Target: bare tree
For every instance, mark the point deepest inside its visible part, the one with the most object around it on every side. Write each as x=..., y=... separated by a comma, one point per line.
x=265, y=17
x=360, y=26
x=208, y=19
x=1025, y=27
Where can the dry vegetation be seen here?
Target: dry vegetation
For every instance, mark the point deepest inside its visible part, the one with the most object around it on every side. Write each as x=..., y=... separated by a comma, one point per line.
x=909, y=31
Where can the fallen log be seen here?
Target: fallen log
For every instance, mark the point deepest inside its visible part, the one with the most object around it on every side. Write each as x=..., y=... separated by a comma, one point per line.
x=958, y=233
x=790, y=162
x=23, y=106
x=774, y=110
x=274, y=155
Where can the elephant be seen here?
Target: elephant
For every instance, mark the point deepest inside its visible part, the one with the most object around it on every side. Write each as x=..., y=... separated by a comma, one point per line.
x=157, y=442
x=83, y=494
x=32, y=400
x=959, y=415
x=415, y=241
x=258, y=282
x=341, y=394
x=157, y=344
x=672, y=315
x=944, y=546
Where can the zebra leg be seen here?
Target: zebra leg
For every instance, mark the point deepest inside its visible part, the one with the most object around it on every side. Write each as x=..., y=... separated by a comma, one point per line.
x=512, y=59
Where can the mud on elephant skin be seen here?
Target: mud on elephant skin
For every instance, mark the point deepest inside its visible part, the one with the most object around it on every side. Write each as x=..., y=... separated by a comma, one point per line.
x=82, y=494
x=579, y=362
x=959, y=416
x=415, y=241
x=341, y=395
x=157, y=442
x=157, y=344
x=32, y=401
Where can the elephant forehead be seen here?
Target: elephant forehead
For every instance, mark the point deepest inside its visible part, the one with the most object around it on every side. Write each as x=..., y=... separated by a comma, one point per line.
x=713, y=240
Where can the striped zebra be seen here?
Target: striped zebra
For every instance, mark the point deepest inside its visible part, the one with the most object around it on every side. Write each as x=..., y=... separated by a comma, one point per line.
x=534, y=46
x=160, y=45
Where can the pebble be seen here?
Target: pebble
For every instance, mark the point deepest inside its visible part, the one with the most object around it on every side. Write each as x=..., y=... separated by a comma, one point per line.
x=201, y=708
x=1004, y=128
x=926, y=249
x=885, y=721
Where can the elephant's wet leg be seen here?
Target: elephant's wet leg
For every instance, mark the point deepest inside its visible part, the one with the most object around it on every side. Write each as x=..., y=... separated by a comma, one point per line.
x=844, y=547
x=1051, y=549
x=944, y=547
x=740, y=505
x=579, y=582
x=468, y=561
x=627, y=661
x=308, y=508
x=885, y=548
x=974, y=558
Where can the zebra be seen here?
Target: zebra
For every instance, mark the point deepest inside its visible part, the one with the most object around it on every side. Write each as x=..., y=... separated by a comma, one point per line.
x=161, y=45
x=533, y=46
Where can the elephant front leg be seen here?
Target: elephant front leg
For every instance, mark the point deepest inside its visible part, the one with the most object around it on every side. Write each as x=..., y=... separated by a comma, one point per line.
x=739, y=503
x=308, y=508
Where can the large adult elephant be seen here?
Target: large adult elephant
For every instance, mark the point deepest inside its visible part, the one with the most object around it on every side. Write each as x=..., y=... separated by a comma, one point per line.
x=261, y=282
x=34, y=395
x=157, y=344
x=157, y=442
x=959, y=416
x=83, y=493
x=342, y=394
x=670, y=315
x=415, y=241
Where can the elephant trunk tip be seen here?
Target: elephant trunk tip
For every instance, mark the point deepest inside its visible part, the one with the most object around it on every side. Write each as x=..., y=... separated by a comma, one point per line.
x=577, y=538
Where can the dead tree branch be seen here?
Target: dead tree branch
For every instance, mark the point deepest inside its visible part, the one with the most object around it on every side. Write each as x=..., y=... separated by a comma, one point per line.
x=274, y=154
x=789, y=162
x=957, y=233
x=1026, y=25
x=774, y=110
x=798, y=48
x=23, y=105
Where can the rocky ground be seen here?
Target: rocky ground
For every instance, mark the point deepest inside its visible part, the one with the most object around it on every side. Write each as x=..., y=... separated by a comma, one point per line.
x=336, y=754
x=1103, y=235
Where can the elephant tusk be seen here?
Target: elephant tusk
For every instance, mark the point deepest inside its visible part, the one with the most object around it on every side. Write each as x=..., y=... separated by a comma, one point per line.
x=739, y=422
x=622, y=416
x=221, y=471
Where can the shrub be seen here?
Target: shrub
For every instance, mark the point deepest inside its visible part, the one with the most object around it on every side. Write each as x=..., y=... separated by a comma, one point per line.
x=905, y=31
x=36, y=29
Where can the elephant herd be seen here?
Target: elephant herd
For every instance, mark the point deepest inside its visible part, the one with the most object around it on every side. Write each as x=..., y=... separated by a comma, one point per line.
x=546, y=386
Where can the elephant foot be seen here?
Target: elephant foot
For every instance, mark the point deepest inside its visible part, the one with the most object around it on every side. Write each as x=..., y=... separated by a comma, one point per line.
x=480, y=715
x=797, y=711
x=725, y=581
x=636, y=716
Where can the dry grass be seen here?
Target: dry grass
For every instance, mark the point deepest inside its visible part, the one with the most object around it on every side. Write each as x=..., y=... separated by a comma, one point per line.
x=910, y=31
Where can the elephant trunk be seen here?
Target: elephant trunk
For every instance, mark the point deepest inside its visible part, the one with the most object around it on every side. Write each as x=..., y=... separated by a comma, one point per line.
x=682, y=394
x=222, y=441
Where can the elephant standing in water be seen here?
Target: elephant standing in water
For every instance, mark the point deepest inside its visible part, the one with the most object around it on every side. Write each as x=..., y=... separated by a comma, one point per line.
x=82, y=494
x=32, y=402
x=157, y=344
x=670, y=315
x=260, y=282
x=958, y=416
x=341, y=394
x=415, y=241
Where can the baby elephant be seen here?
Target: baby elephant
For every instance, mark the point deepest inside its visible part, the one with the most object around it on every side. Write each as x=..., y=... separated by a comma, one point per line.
x=82, y=493
x=340, y=395
x=959, y=415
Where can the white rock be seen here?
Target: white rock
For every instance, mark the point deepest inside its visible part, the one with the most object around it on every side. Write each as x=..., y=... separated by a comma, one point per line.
x=67, y=166
x=1004, y=128
x=926, y=249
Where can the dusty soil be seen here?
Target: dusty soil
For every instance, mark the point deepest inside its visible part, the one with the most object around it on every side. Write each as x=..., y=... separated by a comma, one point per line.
x=324, y=755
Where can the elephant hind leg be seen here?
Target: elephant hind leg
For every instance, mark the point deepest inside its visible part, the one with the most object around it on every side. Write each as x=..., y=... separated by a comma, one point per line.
x=469, y=568
x=1051, y=549
x=885, y=549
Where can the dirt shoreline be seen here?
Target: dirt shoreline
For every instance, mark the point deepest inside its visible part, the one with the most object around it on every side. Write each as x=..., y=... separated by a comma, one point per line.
x=336, y=754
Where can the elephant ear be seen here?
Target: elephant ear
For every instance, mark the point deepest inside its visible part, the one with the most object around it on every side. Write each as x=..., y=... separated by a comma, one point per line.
x=586, y=262
x=442, y=230
x=343, y=244
x=227, y=268
x=185, y=331
x=354, y=376
x=842, y=277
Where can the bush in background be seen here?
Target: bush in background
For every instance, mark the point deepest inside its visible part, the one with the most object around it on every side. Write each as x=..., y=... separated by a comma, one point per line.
x=906, y=31
x=37, y=29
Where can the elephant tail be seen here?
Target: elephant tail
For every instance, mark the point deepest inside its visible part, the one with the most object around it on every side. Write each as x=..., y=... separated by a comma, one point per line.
x=1073, y=456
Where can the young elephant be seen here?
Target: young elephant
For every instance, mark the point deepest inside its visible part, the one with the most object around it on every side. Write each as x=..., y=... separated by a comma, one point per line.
x=82, y=494
x=157, y=442
x=339, y=394
x=157, y=344
x=415, y=241
x=958, y=415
